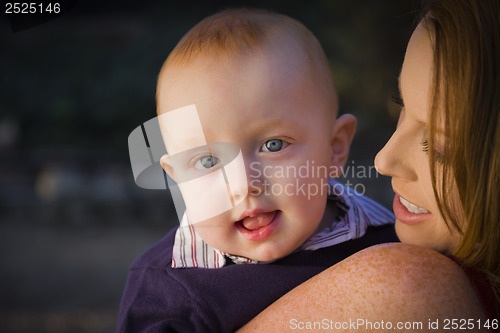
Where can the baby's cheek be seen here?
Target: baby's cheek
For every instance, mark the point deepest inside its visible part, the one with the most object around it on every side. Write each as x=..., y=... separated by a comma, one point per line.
x=309, y=198
x=312, y=186
x=206, y=196
x=214, y=232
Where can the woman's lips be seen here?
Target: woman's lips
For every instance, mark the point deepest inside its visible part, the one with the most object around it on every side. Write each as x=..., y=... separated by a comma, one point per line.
x=409, y=213
x=258, y=227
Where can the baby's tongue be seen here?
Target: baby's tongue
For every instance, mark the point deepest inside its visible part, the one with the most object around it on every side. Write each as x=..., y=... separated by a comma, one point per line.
x=259, y=221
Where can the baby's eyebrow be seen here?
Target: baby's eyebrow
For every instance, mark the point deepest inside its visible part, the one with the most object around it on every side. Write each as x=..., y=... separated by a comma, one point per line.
x=187, y=143
x=276, y=123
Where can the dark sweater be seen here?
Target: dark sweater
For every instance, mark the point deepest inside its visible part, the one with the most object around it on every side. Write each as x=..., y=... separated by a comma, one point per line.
x=159, y=298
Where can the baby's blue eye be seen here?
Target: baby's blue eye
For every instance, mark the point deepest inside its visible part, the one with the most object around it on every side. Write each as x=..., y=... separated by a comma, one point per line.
x=273, y=145
x=206, y=162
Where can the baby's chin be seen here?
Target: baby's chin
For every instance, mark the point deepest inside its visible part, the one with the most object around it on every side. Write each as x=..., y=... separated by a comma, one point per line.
x=267, y=250
x=265, y=254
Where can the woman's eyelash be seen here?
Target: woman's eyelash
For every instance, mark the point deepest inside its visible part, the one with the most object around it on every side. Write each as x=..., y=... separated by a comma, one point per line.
x=398, y=100
x=425, y=147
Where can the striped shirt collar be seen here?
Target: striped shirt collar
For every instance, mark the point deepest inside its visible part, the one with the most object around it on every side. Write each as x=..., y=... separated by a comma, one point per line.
x=357, y=212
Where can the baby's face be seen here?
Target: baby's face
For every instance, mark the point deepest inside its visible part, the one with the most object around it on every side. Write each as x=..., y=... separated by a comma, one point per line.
x=265, y=108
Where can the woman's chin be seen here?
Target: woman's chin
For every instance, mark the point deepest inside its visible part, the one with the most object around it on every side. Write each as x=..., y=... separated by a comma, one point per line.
x=408, y=236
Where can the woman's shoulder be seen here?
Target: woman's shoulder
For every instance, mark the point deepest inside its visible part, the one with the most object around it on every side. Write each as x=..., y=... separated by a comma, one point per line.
x=409, y=281
x=392, y=283
x=396, y=259
x=406, y=267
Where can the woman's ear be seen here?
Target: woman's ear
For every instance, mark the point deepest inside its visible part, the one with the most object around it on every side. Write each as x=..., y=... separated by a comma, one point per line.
x=340, y=143
x=167, y=165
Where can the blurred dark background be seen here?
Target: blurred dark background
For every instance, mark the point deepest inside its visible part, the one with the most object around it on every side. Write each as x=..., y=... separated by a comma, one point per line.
x=72, y=90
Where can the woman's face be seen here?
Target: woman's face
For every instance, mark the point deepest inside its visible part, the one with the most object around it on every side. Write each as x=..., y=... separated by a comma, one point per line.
x=405, y=156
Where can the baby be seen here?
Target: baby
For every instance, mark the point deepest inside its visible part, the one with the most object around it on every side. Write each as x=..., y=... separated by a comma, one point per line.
x=248, y=113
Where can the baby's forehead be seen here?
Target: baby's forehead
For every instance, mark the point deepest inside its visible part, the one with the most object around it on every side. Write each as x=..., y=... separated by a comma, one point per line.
x=286, y=66
x=262, y=86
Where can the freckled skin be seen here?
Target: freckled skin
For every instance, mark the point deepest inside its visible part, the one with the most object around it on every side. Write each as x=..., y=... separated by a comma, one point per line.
x=389, y=282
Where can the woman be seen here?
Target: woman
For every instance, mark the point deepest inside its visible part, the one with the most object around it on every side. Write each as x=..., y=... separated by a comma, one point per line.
x=444, y=160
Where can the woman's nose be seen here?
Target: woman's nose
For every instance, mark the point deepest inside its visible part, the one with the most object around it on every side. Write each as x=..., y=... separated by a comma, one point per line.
x=395, y=158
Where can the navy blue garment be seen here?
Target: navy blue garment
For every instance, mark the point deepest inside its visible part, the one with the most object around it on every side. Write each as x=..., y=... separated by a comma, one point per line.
x=159, y=298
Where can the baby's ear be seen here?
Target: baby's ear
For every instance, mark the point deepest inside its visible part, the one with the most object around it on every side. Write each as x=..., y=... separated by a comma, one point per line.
x=166, y=164
x=342, y=135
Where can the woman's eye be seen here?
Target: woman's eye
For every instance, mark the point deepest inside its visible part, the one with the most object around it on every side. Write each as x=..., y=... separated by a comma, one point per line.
x=206, y=162
x=398, y=100
x=425, y=147
x=274, y=145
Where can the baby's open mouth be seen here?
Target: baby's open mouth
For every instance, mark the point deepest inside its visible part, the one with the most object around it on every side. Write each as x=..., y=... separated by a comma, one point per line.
x=256, y=222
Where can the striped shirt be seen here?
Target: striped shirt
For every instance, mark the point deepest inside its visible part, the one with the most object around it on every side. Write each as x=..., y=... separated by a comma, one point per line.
x=356, y=213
